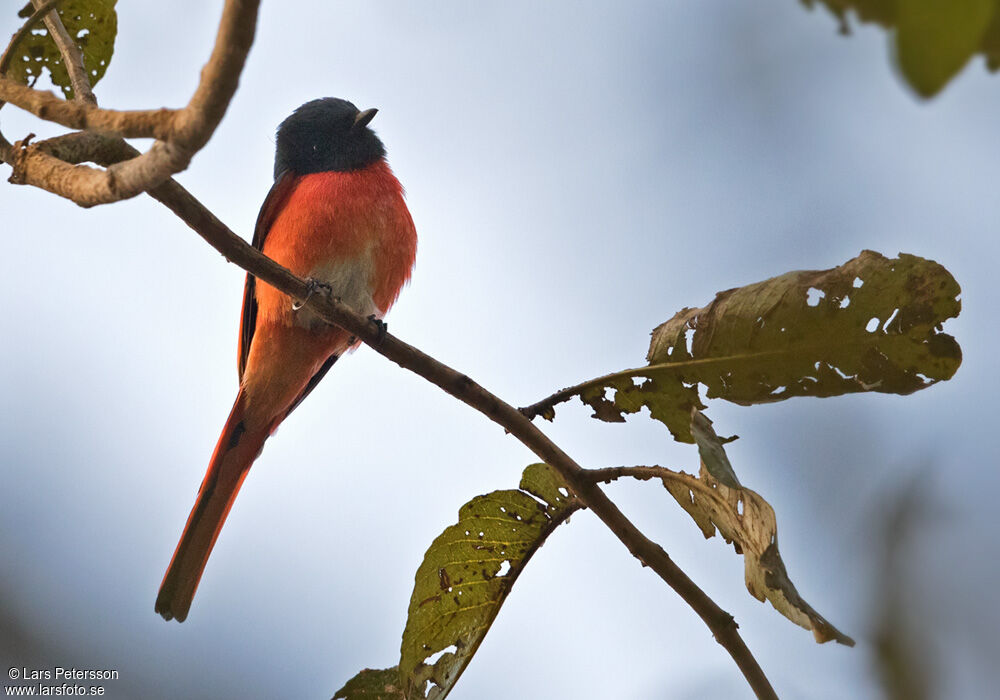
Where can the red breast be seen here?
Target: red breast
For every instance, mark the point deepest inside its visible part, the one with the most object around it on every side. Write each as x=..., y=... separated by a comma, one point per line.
x=353, y=217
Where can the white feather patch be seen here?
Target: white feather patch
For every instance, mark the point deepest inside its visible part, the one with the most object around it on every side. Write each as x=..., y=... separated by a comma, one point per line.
x=351, y=282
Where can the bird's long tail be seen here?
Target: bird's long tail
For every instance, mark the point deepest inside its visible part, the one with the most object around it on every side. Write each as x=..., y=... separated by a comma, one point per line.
x=237, y=449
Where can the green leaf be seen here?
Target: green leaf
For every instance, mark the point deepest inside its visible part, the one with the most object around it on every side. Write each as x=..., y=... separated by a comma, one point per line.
x=872, y=324
x=747, y=521
x=373, y=685
x=463, y=580
x=936, y=38
x=880, y=11
x=93, y=24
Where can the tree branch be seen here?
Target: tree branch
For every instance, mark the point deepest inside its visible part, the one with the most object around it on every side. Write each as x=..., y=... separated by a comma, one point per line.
x=236, y=250
x=140, y=123
x=179, y=133
x=71, y=56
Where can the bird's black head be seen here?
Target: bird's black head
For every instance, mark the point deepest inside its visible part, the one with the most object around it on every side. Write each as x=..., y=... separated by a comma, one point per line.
x=326, y=134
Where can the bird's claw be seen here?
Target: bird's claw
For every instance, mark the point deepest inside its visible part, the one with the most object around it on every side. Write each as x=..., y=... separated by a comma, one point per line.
x=381, y=326
x=312, y=286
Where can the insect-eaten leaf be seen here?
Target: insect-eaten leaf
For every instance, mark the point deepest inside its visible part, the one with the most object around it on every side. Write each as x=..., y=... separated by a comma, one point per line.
x=373, y=685
x=463, y=580
x=747, y=521
x=93, y=26
x=872, y=324
x=933, y=39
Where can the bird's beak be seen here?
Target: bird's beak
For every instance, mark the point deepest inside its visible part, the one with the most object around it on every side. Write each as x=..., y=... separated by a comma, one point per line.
x=361, y=121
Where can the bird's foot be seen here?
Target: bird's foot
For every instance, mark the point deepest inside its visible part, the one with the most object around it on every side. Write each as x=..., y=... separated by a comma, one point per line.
x=381, y=326
x=312, y=286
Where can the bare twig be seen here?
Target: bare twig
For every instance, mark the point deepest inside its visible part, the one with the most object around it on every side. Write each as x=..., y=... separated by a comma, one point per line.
x=180, y=133
x=235, y=249
x=71, y=56
x=140, y=123
x=196, y=123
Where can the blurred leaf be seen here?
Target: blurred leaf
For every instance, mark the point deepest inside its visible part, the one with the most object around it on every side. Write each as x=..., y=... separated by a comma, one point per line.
x=747, y=521
x=461, y=584
x=881, y=11
x=92, y=23
x=872, y=324
x=934, y=38
x=902, y=635
x=711, y=450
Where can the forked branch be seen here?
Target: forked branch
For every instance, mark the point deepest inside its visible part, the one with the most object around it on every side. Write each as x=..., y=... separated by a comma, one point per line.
x=179, y=133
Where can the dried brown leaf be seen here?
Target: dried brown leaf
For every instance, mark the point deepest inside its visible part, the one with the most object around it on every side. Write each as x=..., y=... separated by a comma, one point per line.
x=747, y=521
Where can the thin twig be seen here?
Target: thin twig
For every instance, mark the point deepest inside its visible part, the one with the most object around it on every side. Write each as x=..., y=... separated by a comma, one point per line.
x=72, y=57
x=546, y=407
x=643, y=473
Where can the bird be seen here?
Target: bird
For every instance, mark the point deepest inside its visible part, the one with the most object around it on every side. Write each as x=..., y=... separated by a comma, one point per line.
x=336, y=216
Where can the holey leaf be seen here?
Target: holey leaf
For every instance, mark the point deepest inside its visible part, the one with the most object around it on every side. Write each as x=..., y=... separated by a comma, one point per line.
x=373, y=685
x=93, y=25
x=747, y=521
x=872, y=324
x=462, y=582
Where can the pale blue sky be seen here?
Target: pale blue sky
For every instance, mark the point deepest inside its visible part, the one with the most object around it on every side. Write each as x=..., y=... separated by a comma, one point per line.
x=577, y=173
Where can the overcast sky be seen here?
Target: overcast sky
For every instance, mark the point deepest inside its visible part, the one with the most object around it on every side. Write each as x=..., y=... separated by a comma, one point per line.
x=577, y=173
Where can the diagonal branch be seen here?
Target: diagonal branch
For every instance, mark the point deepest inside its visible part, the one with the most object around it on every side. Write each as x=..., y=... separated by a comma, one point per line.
x=463, y=388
